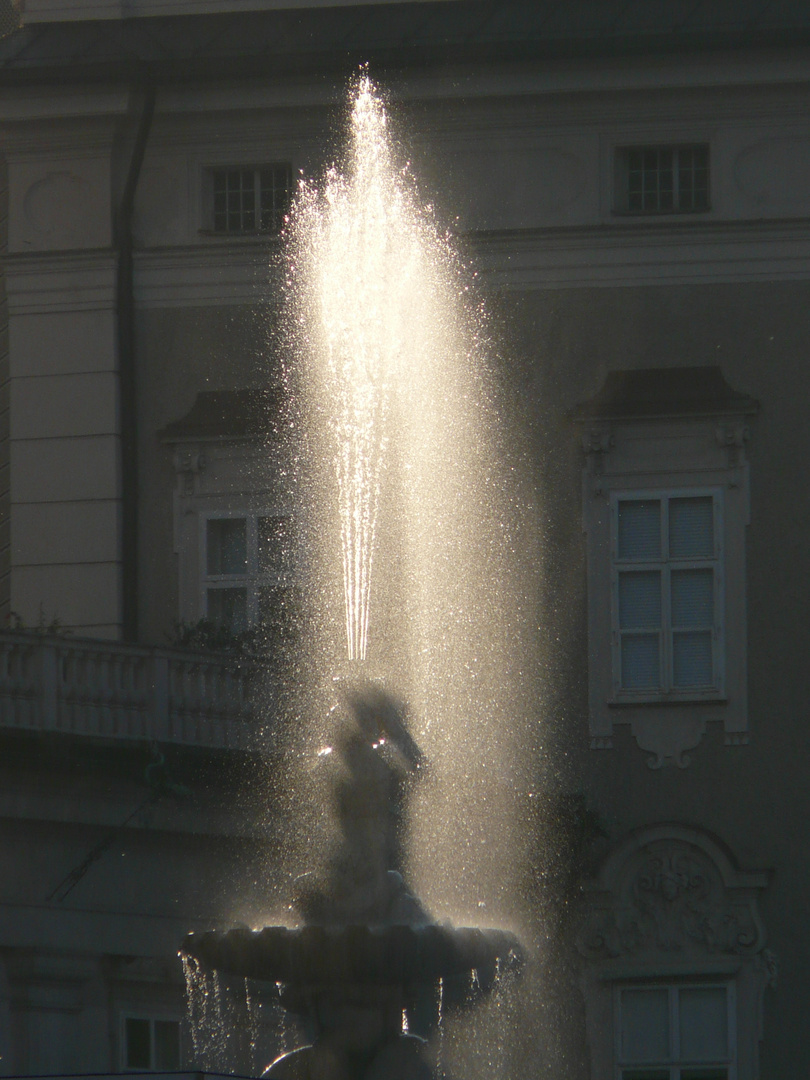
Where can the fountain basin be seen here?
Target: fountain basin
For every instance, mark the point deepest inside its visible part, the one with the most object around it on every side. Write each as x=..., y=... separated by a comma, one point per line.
x=359, y=954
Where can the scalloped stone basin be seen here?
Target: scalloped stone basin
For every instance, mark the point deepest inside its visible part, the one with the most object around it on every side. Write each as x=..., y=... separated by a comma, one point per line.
x=353, y=984
x=356, y=955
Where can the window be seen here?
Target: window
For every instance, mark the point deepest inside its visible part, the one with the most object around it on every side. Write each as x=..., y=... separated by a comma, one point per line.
x=667, y=594
x=662, y=179
x=246, y=564
x=665, y=509
x=675, y=1032
x=150, y=1044
x=250, y=199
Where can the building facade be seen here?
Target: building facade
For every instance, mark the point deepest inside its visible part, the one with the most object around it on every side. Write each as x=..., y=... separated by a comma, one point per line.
x=633, y=186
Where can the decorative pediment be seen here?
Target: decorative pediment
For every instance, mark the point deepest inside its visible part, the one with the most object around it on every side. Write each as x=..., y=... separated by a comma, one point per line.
x=672, y=893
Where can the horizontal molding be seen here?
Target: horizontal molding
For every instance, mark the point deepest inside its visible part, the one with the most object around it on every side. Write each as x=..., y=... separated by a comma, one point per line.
x=207, y=274
x=47, y=926
x=60, y=281
x=634, y=255
x=608, y=256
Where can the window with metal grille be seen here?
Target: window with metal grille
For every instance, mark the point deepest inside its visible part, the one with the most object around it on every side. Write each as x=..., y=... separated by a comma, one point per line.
x=667, y=594
x=662, y=179
x=250, y=199
x=247, y=564
x=676, y=1032
x=150, y=1044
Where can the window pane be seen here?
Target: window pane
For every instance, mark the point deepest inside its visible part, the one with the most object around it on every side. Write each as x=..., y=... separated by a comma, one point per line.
x=248, y=202
x=136, y=1044
x=645, y=1025
x=640, y=529
x=227, y=546
x=274, y=544
x=691, y=528
x=651, y=181
x=692, y=598
x=704, y=1024
x=640, y=600
x=220, y=200
x=701, y=194
x=167, y=1045
x=692, y=659
x=641, y=666
x=275, y=185
x=228, y=608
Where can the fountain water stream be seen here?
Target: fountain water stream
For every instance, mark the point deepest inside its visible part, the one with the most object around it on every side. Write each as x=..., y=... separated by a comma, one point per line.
x=403, y=480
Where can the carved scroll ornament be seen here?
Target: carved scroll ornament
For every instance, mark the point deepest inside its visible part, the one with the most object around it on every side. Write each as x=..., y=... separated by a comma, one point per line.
x=670, y=898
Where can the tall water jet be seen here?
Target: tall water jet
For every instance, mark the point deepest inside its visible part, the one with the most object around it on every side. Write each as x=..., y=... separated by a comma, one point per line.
x=404, y=457
x=410, y=520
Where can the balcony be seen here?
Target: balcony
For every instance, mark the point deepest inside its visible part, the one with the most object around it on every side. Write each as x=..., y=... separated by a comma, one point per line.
x=124, y=692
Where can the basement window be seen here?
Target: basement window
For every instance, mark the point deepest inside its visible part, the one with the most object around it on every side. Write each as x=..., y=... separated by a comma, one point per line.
x=662, y=179
x=248, y=199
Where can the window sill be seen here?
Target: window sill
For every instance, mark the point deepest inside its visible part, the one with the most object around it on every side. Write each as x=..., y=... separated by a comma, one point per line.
x=661, y=213
x=710, y=697
x=257, y=237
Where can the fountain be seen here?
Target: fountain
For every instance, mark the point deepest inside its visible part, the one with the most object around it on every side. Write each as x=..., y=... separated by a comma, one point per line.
x=396, y=445
x=367, y=954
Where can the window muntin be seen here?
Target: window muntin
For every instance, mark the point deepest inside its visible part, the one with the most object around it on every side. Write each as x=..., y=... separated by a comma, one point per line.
x=662, y=179
x=150, y=1044
x=250, y=199
x=247, y=561
x=667, y=604
x=675, y=1032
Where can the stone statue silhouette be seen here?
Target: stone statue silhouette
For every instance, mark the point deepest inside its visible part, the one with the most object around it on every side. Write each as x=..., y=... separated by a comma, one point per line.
x=372, y=754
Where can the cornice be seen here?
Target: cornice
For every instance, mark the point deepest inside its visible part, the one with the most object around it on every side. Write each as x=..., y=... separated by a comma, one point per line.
x=71, y=281
x=633, y=253
x=240, y=272
x=224, y=273
x=38, y=103
x=49, y=136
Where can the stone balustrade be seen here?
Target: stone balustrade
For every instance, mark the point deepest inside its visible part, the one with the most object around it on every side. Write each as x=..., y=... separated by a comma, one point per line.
x=109, y=690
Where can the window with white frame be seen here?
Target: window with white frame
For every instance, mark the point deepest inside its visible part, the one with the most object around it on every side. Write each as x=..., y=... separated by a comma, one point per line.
x=249, y=199
x=667, y=594
x=662, y=179
x=246, y=562
x=675, y=1032
x=665, y=509
x=150, y=1044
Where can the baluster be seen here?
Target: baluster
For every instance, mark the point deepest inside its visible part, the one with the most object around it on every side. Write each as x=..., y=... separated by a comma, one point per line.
x=126, y=712
x=103, y=683
x=137, y=708
x=160, y=696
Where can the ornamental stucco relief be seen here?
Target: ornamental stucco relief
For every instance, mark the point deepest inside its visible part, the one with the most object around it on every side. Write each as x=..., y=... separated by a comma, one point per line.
x=670, y=897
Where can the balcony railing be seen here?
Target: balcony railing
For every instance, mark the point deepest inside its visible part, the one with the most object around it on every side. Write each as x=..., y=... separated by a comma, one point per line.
x=108, y=690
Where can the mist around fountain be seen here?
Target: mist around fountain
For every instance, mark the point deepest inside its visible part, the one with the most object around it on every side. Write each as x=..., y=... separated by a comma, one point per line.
x=417, y=567
x=418, y=551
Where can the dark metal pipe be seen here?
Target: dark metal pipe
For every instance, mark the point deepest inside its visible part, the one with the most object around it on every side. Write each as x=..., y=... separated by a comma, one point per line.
x=127, y=373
